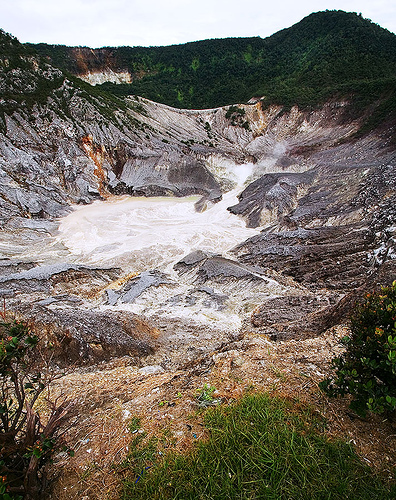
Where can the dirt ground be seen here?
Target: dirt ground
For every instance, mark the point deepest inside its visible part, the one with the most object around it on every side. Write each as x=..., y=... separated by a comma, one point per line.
x=107, y=396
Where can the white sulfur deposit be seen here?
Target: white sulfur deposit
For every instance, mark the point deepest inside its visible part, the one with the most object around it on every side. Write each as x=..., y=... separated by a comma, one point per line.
x=146, y=233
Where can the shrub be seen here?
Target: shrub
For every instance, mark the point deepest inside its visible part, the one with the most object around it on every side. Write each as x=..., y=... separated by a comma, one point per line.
x=204, y=396
x=233, y=112
x=26, y=442
x=367, y=368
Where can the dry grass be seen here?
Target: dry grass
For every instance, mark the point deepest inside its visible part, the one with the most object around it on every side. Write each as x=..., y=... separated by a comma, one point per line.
x=110, y=395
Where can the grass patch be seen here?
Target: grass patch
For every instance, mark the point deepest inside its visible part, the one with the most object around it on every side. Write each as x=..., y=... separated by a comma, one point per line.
x=259, y=448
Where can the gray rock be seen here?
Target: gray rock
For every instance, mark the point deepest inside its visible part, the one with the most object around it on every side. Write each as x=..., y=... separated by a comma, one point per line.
x=285, y=309
x=83, y=336
x=151, y=370
x=40, y=273
x=324, y=257
x=324, y=198
x=136, y=286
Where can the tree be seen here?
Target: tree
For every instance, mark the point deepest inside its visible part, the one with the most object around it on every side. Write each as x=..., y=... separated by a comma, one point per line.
x=26, y=438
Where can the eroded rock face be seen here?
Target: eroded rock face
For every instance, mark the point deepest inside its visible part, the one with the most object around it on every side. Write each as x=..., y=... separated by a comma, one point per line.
x=271, y=197
x=286, y=309
x=328, y=257
x=134, y=287
x=97, y=66
x=57, y=301
x=81, y=336
x=63, y=146
x=339, y=232
x=46, y=164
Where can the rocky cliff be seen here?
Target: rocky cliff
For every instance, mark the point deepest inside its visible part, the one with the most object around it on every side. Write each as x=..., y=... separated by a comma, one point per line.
x=73, y=147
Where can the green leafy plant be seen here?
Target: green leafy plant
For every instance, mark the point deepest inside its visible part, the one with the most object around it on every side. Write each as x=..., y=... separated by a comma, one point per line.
x=4, y=494
x=205, y=396
x=26, y=443
x=367, y=368
x=134, y=424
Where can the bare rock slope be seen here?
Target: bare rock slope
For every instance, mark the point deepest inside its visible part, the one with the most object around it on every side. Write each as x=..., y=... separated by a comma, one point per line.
x=322, y=196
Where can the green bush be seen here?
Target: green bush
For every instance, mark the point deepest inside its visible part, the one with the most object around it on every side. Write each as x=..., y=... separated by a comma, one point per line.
x=367, y=368
x=233, y=112
x=26, y=443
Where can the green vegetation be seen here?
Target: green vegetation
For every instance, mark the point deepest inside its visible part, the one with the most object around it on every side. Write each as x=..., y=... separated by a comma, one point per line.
x=28, y=82
x=26, y=442
x=327, y=54
x=236, y=115
x=260, y=447
x=205, y=396
x=331, y=54
x=367, y=368
x=134, y=424
x=23, y=81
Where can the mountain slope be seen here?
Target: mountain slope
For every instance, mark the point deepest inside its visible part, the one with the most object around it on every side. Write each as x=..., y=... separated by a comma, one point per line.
x=63, y=142
x=325, y=54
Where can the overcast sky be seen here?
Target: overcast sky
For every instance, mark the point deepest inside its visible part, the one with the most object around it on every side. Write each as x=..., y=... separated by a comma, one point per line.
x=98, y=23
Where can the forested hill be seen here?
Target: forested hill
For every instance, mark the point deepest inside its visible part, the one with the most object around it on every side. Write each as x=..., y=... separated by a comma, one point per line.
x=327, y=53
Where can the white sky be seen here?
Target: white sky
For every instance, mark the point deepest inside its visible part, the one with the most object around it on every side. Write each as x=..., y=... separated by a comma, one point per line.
x=98, y=23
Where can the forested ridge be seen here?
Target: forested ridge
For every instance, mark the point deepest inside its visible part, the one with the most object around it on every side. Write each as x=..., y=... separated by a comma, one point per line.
x=326, y=54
